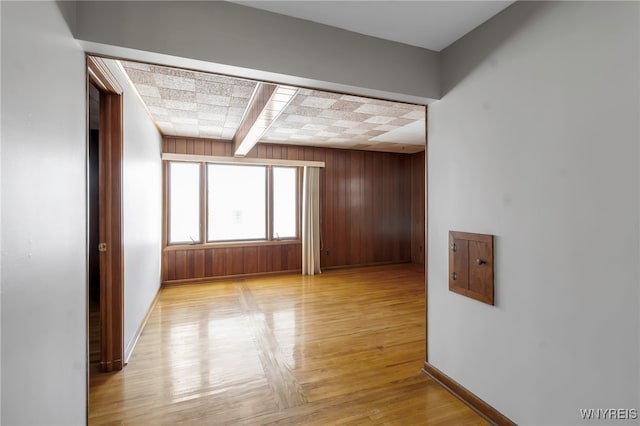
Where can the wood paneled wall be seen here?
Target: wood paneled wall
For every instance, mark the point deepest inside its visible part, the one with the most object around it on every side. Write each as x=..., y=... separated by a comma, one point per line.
x=370, y=213
x=418, y=247
x=189, y=263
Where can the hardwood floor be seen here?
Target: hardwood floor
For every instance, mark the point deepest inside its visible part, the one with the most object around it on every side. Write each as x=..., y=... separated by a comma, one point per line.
x=344, y=347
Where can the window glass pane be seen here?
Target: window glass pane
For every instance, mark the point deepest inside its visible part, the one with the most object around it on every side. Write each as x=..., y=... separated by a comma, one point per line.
x=184, y=210
x=284, y=202
x=237, y=202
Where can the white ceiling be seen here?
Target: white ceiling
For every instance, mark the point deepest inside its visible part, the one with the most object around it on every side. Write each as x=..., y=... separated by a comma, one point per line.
x=430, y=24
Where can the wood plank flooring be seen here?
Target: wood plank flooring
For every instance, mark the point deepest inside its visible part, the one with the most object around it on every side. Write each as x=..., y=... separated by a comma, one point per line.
x=344, y=347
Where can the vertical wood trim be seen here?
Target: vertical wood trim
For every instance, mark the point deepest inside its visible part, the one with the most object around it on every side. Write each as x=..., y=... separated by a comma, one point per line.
x=204, y=204
x=112, y=264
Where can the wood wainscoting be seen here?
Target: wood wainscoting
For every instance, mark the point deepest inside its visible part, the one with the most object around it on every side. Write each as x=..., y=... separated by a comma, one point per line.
x=372, y=212
x=197, y=263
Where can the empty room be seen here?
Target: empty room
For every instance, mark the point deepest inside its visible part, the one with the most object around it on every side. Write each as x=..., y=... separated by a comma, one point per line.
x=384, y=212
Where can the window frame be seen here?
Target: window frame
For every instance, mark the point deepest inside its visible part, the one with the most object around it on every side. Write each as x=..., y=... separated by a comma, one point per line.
x=167, y=209
x=267, y=198
x=204, y=207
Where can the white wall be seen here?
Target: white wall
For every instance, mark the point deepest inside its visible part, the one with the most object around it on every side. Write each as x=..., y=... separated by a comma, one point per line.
x=142, y=209
x=536, y=140
x=230, y=38
x=43, y=217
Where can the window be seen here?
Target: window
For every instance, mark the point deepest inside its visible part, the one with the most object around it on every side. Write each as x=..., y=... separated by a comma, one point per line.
x=285, y=202
x=237, y=197
x=184, y=210
x=231, y=202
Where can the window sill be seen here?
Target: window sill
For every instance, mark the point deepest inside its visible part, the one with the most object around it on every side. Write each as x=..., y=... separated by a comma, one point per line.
x=229, y=244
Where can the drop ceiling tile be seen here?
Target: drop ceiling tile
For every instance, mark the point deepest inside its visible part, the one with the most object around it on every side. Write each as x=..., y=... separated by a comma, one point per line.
x=351, y=98
x=399, y=122
x=182, y=113
x=414, y=115
x=211, y=123
x=385, y=127
x=314, y=127
x=158, y=111
x=346, y=123
x=171, y=72
x=211, y=116
x=150, y=91
x=218, y=100
x=135, y=66
x=214, y=88
x=301, y=110
x=317, y=102
x=172, y=82
x=286, y=130
x=299, y=119
x=324, y=134
x=212, y=129
x=216, y=78
x=232, y=122
x=187, y=130
x=151, y=101
x=298, y=99
x=394, y=112
x=165, y=125
x=184, y=120
x=140, y=76
x=215, y=109
x=308, y=132
x=349, y=106
x=239, y=102
x=242, y=91
x=356, y=131
x=379, y=119
x=228, y=133
x=209, y=135
x=177, y=95
x=235, y=111
x=369, y=108
x=342, y=115
x=179, y=105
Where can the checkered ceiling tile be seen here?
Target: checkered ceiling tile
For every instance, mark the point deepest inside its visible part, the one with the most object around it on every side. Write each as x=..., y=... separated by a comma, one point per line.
x=191, y=103
x=197, y=104
x=343, y=121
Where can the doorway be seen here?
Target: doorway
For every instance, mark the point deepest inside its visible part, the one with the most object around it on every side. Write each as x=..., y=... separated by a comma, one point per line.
x=104, y=210
x=93, y=165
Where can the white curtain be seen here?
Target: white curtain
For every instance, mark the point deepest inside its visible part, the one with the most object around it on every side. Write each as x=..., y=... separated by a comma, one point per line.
x=311, y=221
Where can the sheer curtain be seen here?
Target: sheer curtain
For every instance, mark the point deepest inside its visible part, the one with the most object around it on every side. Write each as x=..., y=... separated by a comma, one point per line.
x=311, y=221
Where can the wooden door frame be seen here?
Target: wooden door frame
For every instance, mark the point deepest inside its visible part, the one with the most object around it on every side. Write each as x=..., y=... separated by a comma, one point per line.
x=111, y=148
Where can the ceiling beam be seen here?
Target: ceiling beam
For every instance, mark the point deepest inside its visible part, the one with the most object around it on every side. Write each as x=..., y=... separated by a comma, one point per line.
x=266, y=104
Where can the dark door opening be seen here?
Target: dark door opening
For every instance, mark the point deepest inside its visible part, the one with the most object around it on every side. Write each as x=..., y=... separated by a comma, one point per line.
x=105, y=327
x=94, y=225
